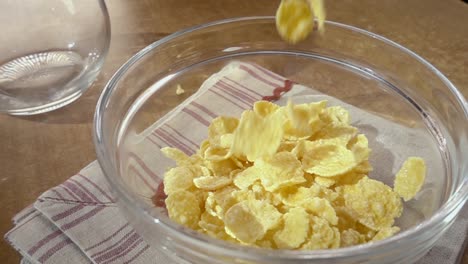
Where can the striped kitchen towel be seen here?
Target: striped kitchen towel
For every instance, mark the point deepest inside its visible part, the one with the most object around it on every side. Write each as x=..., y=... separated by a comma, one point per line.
x=78, y=221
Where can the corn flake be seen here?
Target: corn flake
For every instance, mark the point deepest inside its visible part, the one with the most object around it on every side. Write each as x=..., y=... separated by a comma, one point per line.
x=295, y=229
x=339, y=131
x=336, y=115
x=178, y=179
x=222, y=125
x=385, y=233
x=323, y=236
x=328, y=160
x=218, y=202
x=242, y=223
x=211, y=183
x=283, y=169
x=360, y=149
x=216, y=153
x=265, y=108
x=372, y=203
x=410, y=178
x=180, y=157
x=325, y=181
x=247, y=177
x=294, y=20
x=221, y=167
x=183, y=207
x=257, y=136
x=322, y=208
x=267, y=213
x=351, y=237
x=303, y=120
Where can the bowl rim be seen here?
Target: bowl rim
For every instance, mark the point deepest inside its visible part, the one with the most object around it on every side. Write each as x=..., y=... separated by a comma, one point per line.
x=453, y=203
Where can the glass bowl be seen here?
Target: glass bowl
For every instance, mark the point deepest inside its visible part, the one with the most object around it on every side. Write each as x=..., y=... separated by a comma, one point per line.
x=357, y=67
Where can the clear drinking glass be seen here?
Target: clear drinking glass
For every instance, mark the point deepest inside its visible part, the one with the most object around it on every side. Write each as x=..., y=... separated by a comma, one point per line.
x=50, y=52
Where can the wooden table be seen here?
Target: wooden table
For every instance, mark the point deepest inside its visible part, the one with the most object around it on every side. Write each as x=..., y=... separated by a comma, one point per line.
x=42, y=151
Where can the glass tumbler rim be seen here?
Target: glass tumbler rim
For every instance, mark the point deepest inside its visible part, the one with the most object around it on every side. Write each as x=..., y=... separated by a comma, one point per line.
x=454, y=202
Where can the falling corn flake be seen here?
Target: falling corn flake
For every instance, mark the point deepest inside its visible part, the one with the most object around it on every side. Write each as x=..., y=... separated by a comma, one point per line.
x=292, y=177
x=294, y=18
x=257, y=136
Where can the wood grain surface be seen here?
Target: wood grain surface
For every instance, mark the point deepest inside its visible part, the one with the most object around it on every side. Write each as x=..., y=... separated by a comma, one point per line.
x=39, y=152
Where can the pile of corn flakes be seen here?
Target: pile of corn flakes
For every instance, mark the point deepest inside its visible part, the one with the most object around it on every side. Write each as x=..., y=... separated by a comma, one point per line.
x=292, y=177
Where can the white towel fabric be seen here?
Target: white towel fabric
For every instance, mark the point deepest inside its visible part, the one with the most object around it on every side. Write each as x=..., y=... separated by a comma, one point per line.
x=78, y=222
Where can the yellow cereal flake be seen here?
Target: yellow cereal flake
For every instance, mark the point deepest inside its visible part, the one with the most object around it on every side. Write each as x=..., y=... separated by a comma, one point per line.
x=323, y=236
x=328, y=160
x=265, y=108
x=211, y=183
x=221, y=167
x=180, y=157
x=303, y=120
x=322, y=208
x=242, y=223
x=364, y=167
x=218, y=202
x=287, y=146
x=257, y=136
x=338, y=131
x=225, y=141
x=295, y=229
x=345, y=219
x=296, y=196
x=410, y=178
x=372, y=203
x=183, y=207
x=283, y=169
x=267, y=241
x=210, y=223
x=349, y=178
x=367, y=232
x=292, y=177
x=351, y=237
x=336, y=115
x=294, y=18
x=222, y=125
x=247, y=177
x=178, y=179
x=319, y=13
x=267, y=213
x=324, y=181
x=261, y=194
x=249, y=220
x=385, y=233
x=360, y=148
x=216, y=153
x=179, y=90
x=203, y=147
